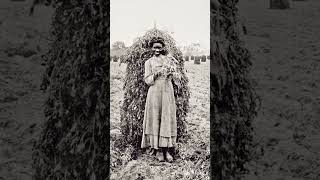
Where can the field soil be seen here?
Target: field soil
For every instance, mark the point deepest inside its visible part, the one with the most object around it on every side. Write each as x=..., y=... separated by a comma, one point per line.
x=23, y=39
x=285, y=45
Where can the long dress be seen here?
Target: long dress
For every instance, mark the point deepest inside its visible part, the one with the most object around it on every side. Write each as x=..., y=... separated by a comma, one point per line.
x=159, y=124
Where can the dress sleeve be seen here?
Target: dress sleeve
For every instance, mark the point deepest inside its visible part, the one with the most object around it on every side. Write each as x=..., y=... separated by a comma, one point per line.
x=148, y=75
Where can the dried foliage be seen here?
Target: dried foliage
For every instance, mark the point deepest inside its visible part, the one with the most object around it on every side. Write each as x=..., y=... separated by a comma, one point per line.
x=279, y=4
x=74, y=141
x=233, y=98
x=135, y=89
x=203, y=58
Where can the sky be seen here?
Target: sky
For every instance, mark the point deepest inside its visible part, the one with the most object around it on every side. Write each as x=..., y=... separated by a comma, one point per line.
x=189, y=20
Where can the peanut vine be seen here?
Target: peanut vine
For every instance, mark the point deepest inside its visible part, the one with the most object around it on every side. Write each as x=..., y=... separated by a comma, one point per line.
x=74, y=142
x=233, y=97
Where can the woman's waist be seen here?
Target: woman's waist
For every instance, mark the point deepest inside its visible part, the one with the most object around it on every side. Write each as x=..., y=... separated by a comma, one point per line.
x=162, y=78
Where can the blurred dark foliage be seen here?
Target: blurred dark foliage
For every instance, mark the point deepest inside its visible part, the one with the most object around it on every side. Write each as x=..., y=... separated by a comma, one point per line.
x=233, y=97
x=74, y=142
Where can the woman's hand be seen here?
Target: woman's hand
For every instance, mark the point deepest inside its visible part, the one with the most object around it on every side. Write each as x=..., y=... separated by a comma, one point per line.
x=157, y=74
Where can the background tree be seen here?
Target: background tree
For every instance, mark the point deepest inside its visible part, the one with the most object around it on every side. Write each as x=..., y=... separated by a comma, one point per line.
x=192, y=49
x=118, y=45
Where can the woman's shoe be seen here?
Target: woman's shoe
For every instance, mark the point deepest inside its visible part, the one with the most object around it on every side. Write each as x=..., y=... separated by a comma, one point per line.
x=151, y=152
x=169, y=157
x=160, y=156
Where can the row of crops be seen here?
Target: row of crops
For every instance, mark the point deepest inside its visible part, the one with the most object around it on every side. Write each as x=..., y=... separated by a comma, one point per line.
x=196, y=59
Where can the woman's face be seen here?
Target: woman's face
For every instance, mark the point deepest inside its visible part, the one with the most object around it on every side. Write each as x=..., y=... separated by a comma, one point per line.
x=157, y=48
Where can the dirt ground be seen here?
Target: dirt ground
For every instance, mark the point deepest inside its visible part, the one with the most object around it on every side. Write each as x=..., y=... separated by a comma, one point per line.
x=22, y=41
x=286, y=65
x=286, y=54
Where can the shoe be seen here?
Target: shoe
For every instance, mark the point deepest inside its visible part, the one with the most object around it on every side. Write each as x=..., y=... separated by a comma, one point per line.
x=160, y=156
x=169, y=157
x=151, y=152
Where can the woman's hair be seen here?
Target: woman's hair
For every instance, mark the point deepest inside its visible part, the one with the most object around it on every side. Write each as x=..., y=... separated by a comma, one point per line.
x=161, y=41
x=156, y=40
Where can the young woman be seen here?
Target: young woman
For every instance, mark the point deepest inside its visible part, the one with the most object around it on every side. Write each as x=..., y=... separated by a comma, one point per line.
x=160, y=124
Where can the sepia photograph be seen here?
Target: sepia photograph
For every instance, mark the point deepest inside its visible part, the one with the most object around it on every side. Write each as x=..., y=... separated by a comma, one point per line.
x=171, y=89
x=159, y=89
